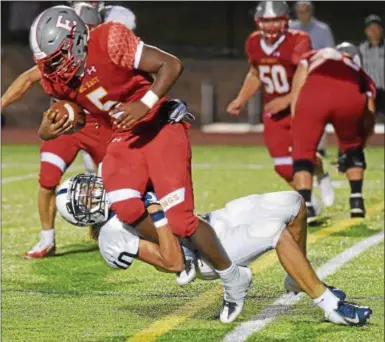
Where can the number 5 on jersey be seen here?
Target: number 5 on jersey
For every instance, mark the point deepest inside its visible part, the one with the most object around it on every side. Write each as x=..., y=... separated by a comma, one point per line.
x=97, y=95
x=274, y=78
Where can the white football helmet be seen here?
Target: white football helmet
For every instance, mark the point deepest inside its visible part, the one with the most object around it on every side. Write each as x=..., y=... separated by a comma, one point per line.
x=82, y=201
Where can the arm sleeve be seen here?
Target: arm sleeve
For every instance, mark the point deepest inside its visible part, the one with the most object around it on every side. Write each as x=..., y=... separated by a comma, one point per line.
x=124, y=47
x=302, y=47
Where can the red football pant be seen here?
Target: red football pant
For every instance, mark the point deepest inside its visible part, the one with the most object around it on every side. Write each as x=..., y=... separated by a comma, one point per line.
x=324, y=100
x=165, y=160
x=58, y=154
x=277, y=134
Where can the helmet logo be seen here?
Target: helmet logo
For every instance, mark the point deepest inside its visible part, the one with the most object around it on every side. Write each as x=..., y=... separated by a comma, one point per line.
x=65, y=25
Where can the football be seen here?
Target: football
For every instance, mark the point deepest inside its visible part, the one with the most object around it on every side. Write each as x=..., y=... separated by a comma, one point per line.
x=74, y=112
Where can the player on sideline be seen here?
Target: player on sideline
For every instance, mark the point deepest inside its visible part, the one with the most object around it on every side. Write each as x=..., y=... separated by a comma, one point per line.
x=144, y=147
x=273, y=53
x=330, y=86
x=247, y=228
x=56, y=155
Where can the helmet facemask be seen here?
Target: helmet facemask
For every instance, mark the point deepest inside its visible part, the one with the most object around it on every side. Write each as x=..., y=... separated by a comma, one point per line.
x=272, y=28
x=67, y=61
x=87, y=200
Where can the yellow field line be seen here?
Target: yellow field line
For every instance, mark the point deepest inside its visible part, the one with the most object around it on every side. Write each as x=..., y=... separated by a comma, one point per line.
x=209, y=297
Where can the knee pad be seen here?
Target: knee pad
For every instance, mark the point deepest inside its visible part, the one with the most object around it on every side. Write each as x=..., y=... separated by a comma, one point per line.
x=285, y=171
x=50, y=175
x=130, y=211
x=351, y=158
x=303, y=165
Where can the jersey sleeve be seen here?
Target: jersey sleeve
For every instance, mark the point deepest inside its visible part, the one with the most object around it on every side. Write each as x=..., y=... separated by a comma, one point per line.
x=47, y=87
x=302, y=47
x=124, y=47
x=119, y=246
x=248, y=50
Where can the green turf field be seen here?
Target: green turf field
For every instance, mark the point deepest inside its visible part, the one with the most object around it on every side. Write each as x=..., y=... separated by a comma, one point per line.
x=75, y=296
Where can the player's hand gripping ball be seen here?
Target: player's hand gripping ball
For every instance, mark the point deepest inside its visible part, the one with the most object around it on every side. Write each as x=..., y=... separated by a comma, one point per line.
x=72, y=111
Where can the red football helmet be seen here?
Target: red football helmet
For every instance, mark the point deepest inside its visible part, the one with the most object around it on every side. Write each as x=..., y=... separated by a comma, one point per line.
x=272, y=18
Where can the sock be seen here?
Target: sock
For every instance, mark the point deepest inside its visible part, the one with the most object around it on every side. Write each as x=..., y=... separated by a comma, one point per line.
x=48, y=235
x=229, y=274
x=306, y=194
x=327, y=301
x=356, y=186
x=188, y=253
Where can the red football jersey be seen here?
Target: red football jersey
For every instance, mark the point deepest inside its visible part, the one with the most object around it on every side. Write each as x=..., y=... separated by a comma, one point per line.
x=331, y=63
x=111, y=74
x=276, y=64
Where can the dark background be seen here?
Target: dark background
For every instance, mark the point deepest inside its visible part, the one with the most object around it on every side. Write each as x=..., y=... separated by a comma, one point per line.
x=206, y=28
x=208, y=36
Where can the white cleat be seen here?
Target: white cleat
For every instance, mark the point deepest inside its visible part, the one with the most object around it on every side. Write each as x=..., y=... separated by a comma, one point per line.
x=234, y=296
x=327, y=190
x=188, y=274
x=40, y=250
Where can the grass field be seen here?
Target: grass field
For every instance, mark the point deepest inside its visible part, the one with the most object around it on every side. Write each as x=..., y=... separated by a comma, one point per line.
x=75, y=296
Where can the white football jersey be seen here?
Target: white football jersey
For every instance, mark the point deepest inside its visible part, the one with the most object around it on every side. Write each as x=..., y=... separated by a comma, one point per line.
x=247, y=227
x=119, y=14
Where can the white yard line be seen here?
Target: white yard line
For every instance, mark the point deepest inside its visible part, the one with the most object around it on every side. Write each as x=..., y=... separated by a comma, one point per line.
x=7, y=180
x=34, y=175
x=283, y=303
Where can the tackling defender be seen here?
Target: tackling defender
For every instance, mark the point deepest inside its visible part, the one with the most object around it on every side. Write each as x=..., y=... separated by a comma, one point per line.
x=331, y=84
x=247, y=228
x=273, y=53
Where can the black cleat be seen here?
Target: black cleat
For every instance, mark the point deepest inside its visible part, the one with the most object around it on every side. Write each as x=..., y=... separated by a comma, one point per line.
x=357, y=206
x=311, y=214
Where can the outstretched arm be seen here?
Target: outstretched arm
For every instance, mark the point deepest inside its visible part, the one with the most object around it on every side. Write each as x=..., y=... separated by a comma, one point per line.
x=20, y=86
x=250, y=86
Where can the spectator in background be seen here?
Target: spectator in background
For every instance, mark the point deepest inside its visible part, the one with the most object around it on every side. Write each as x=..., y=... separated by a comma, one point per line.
x=372, y=51
x=320, y=33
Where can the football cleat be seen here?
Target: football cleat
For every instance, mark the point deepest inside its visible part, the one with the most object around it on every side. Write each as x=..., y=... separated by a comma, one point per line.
x=188, y=274
x=230, y=311
x=234, y=296
x=40, y=250
x=327, y=190
x=311, y=214
x=349, y=314
x=357, y=206
x=290, y=285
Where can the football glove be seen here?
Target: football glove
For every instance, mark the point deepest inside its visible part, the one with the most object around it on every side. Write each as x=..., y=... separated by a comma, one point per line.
x=178, y=112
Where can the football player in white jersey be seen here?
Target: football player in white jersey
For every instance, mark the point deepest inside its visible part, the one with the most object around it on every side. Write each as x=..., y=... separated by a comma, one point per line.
x=247, y=228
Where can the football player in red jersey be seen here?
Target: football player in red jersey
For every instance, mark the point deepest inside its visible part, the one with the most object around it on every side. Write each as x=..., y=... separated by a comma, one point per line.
x=273, y=53
x=330, y=86
x=58, y=154
x=108, y=72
